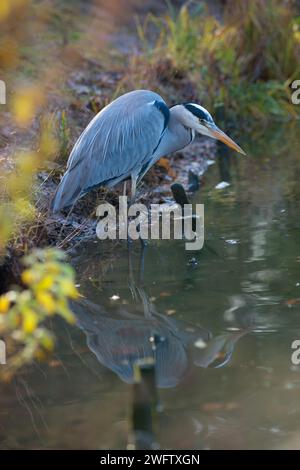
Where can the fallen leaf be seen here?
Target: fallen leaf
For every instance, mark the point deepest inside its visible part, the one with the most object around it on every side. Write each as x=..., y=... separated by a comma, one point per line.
x=212, y=406
x=54, y=363
x=170, y=311
x=165, y=163
x=165, y=294
x=292, y=302
x=232, y=406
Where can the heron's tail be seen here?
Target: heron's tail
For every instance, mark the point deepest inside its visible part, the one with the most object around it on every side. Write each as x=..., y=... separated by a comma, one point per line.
x=67, y=193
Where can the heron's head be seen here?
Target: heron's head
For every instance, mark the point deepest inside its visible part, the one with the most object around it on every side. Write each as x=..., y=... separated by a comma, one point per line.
x=196, y=117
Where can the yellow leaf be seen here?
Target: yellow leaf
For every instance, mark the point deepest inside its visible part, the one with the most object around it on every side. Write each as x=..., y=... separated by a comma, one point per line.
x=28, y=277
x=46, y=301
x=65, y=311
x=4, y=9
x=47, y=342
x=30, y=321
x=25, y=104
x=24, y=209
x=4, y=304
x=53, y=268
x=69, y=289
x=46, y=283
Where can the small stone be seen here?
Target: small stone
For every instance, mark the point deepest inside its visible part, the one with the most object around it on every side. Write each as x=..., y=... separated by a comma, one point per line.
x=115, y=297
x=222, y=185
x=200, y=344
x=232, y=241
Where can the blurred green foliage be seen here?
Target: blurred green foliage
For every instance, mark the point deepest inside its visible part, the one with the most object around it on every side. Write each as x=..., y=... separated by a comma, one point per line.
x=49, y=282
x=244, y=63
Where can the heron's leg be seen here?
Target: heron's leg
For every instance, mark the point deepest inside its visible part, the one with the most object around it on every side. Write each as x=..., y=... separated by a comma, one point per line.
x=133, y=188
x=129, y=240
x=60, y=244
x=132, y=198
x=131, y=281
x=144, y=245
x=134, y=178
x=146, y=302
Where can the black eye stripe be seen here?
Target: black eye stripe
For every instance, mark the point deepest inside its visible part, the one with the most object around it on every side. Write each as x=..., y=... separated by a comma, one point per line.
x=197, y=112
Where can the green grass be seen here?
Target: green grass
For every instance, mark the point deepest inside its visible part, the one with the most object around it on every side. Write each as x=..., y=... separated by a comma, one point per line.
x=243, y=64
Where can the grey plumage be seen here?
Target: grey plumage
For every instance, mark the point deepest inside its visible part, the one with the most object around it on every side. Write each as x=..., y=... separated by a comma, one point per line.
x=125, y=139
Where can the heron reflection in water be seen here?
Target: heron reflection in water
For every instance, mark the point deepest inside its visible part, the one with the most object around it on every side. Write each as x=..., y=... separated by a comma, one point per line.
x=121, y=339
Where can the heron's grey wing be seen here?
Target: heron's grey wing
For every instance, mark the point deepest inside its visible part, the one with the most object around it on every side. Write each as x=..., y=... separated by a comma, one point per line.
x=131, y=130
x=118, y=142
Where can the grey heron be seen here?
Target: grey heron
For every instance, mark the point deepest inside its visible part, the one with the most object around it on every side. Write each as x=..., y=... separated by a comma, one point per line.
x=126, y=138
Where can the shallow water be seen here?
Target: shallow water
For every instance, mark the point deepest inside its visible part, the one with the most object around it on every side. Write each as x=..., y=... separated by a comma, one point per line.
x=239, y=297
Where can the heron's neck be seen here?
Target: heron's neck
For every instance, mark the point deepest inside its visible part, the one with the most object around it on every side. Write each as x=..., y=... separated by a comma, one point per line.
x=180, y=122
x=176, y=136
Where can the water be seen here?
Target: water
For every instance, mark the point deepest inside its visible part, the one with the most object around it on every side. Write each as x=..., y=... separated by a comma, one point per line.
x=239, y=297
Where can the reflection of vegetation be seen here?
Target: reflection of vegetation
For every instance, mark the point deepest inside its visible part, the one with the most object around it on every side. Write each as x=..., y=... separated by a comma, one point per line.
x=245, y=63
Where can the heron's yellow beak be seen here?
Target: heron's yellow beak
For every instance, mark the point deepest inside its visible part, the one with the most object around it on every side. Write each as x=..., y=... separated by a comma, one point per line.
x=220, y=135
